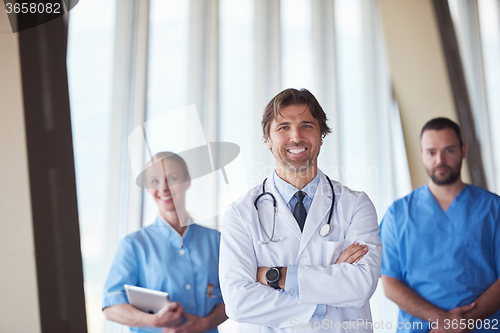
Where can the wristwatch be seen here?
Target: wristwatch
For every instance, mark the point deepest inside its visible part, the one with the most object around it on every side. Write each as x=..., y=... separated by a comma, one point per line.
x=273, y=276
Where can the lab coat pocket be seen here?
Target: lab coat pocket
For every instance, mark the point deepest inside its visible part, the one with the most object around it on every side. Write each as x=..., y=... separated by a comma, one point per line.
x=332, y=251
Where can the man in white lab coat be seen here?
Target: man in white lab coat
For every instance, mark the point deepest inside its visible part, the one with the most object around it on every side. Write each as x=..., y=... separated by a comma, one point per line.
x=282, y=269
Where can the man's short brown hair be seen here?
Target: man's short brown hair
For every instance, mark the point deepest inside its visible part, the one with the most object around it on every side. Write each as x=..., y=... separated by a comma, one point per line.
x=441, y=123
x=294, y=97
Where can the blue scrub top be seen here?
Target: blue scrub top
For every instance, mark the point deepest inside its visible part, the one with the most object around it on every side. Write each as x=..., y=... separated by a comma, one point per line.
x=157, y=257
x=449, y=258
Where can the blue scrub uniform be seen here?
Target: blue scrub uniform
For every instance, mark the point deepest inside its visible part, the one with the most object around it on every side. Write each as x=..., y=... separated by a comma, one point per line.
x=157, y=257
x=449, y=258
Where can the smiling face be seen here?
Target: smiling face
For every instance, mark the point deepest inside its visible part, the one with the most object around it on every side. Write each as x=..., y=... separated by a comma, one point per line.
x=442, y=155
x=167, y=184
x=295, y=139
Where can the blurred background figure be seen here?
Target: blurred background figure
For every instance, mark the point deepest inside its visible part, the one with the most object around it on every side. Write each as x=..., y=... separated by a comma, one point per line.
x=445, y=225
x=171, y=255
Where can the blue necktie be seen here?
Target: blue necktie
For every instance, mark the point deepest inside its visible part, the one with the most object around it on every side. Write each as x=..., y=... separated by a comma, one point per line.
x=299, y=212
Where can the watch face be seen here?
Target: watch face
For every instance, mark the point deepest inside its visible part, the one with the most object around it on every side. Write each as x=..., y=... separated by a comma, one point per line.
x=272, y=274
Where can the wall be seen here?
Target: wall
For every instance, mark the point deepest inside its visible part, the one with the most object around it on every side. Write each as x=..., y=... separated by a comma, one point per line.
x=419, y=74
x=19, y=310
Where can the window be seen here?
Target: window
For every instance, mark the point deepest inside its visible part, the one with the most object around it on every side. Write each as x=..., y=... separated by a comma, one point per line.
x=476, y=25
x=90, y=71
x=229, y=62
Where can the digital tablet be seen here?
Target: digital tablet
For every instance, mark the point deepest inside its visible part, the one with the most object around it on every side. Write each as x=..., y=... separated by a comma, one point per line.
x=147, y=300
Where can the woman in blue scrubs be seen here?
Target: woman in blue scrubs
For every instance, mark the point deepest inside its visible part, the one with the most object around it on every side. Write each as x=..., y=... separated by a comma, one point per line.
x=172, y=255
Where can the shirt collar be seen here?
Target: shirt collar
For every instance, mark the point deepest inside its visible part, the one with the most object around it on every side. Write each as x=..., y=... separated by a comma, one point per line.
x=426, y=193
x=287, y=190
x=171, y=233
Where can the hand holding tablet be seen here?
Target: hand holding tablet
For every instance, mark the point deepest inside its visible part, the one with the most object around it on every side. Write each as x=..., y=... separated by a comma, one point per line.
x=147, y=300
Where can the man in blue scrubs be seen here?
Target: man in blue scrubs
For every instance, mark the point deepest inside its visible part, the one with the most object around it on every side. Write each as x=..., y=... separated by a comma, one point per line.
x=441, y=244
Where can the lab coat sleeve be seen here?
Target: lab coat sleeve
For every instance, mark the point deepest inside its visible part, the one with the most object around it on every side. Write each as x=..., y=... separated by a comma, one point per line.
x=248, y=301
x=347, y=285
x=292, y=279
x=390, y=253
x=292, y=284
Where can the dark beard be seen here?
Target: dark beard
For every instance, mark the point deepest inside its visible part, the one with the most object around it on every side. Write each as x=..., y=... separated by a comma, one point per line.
x=454, y=175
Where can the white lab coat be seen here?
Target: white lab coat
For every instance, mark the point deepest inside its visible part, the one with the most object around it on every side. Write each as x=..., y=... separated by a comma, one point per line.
x=344, y=288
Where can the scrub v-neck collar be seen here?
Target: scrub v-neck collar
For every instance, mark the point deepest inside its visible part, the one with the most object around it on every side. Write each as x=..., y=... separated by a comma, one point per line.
x=454, y=203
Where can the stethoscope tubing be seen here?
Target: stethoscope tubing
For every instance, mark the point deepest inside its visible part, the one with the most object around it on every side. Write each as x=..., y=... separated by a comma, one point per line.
x=264, y=193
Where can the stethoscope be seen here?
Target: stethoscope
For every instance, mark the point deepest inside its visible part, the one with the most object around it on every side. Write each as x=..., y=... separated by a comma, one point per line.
x=323, y=231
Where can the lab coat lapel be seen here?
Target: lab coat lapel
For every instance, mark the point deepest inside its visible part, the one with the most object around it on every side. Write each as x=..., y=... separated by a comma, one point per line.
x=318, y=212
x=283, y=213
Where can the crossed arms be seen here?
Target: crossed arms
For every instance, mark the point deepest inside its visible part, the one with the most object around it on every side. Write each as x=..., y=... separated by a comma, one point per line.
x=248, y=299
x=351, y=255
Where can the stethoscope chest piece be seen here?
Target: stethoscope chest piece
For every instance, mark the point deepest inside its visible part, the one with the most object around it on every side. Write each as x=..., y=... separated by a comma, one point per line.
x=325, y=230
